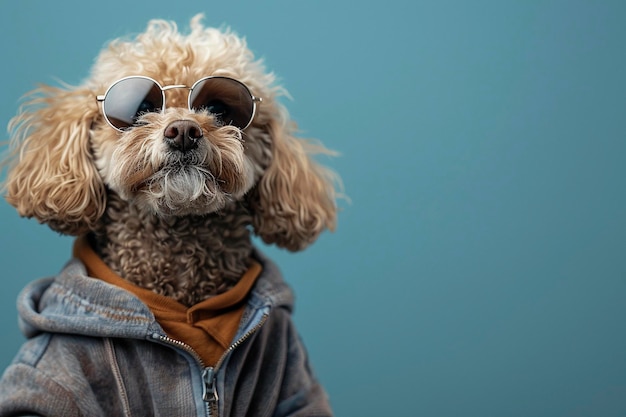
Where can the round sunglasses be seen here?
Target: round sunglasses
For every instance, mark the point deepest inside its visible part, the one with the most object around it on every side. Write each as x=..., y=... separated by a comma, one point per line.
x=229, y=100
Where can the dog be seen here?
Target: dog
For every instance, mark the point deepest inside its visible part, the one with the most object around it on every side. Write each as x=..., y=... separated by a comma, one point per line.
x=163, y=164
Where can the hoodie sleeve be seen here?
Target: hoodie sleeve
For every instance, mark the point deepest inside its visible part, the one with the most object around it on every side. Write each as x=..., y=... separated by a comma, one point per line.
x=302, y=395
x=26, y=391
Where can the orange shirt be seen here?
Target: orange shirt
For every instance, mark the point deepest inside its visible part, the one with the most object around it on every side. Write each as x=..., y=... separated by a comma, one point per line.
x=208, y=327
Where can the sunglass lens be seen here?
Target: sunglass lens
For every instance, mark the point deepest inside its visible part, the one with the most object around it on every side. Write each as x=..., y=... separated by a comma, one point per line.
x=228, y=100
x=129, y=98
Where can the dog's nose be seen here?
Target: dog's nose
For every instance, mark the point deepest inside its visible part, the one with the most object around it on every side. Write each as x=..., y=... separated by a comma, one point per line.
x=183, y=135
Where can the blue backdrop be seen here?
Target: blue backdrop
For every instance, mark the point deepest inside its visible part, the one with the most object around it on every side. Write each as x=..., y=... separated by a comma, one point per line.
x=479, y=268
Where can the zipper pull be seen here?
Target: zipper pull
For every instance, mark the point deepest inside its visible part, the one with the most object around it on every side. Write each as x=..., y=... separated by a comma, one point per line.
x=209, y=393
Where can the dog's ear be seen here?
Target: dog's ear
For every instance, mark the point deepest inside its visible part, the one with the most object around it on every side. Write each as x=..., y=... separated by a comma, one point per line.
x=294, y=201
x=51, y=176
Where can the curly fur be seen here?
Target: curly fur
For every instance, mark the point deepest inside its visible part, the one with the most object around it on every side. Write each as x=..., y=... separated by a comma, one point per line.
x=176, y=223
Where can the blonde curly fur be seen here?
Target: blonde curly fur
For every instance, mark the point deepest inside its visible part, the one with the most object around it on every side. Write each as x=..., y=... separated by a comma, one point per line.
x=69, y=169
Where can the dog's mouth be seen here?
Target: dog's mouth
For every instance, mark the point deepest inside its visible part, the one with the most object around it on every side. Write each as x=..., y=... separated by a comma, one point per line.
x=188, y=184
x=198, y=182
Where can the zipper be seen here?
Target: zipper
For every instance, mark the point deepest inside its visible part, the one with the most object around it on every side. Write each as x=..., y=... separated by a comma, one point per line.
x=180, y=345
x=209, y=374
x=209, y=391
x=240, y=341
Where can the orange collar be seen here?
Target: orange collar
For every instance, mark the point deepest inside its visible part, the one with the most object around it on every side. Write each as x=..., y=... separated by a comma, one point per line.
x=208, y=327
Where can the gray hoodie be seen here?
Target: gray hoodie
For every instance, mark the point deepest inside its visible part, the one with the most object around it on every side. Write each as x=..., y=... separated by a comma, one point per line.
x=94, y=349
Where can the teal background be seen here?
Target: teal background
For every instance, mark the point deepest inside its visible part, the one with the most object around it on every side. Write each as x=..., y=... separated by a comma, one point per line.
x=479, y=267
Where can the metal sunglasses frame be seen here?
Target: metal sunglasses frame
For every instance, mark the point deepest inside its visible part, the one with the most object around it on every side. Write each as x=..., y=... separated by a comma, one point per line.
x=253, y=99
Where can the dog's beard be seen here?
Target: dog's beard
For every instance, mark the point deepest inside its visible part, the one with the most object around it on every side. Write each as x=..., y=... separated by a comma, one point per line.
x=171, y=183
x=182, y=188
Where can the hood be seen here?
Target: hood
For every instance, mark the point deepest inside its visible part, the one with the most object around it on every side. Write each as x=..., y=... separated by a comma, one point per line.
x=74, y=303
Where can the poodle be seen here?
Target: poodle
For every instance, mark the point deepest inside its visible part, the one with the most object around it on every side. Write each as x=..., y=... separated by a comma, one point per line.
x=163, y=164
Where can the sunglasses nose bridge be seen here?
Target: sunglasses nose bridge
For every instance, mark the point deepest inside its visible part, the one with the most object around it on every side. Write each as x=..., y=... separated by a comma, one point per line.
x=176, y=95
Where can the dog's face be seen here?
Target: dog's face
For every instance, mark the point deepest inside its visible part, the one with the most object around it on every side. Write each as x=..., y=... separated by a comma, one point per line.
x=181, y=161
x=170, y=160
